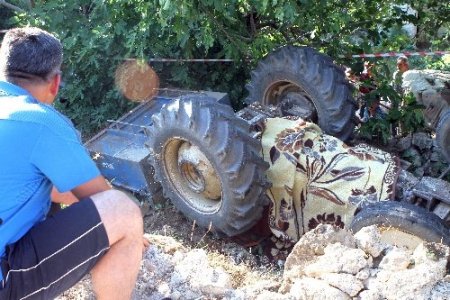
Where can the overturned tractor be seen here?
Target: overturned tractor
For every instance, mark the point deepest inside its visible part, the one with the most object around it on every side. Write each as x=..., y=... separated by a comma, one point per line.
x=222, y=169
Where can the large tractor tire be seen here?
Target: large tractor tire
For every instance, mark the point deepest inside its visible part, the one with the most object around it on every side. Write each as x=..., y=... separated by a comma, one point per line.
x=208, y=164
x=443, y=135
x=305, y=83
x=402, y=224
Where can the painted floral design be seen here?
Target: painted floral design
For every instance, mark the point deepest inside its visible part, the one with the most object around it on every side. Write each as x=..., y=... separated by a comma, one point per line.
x=361, y=198
x=286, y=211
x=276, y=224
x=327, y=144
x=290, y=139
x=326, y=219
x=309, y=151
x=361, y=155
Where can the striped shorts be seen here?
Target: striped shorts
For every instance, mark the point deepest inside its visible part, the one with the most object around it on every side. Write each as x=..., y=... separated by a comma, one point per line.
x=55, y=254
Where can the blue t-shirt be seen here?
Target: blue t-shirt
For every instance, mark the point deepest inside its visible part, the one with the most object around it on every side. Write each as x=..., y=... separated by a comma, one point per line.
x=39, y=148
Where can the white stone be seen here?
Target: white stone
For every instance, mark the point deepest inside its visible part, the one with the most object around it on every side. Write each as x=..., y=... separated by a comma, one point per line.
x=429, y=252
x=363, y=275
x=396, y=259
x=440, y=291
x=310, y=247
x=338, y=258
x=267, y=295
x=344, y=282
x=368, y=239
x=418, y=81
x=194, y=270
x=369, y=295
x=315, y=289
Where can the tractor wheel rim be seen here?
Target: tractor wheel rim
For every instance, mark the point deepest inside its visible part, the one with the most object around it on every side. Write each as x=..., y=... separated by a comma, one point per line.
x=292, y=100
x=397, y=237
x=192, y=175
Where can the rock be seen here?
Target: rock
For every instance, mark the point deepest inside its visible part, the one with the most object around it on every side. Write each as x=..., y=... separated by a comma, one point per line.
x=425, y=80
x=368, y=239
x=347, y=283
x=397, y=259
x=176, y=296
x=435, y=156
x=194, y=273
x=262, y=289
x=83, y=291
x=419, y=172
x=363, y=275
x=404, y=143
x=145, y=207
x=267, y=295
x=166, y=243
x=430, y=88
x=413, y=156
x=370, y=295
x=310, y=247
x=315, y=289
x=441, y=290
x=429, y=268
x=339, y=258
x=239, y=254
x=422, y=141
x=432, y=253
x=404, y=164
x=314, y=242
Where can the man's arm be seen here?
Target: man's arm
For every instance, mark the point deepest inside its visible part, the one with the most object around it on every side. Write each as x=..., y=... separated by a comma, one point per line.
x=93, y=186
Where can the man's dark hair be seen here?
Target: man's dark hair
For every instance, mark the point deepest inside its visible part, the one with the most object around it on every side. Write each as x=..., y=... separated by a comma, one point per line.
x=30, y=54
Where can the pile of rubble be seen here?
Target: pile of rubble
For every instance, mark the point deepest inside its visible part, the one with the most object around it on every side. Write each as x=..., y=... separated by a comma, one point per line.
x=327, y=263
x=423, y=155
x=431, y=88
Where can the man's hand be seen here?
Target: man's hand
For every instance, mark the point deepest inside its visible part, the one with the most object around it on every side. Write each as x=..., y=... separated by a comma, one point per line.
x=66, y=198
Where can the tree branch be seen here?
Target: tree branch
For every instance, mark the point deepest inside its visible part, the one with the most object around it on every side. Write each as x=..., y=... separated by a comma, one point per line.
x=11, y=6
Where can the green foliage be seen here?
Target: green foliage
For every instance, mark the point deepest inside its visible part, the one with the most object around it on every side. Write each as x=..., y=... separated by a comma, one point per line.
x=411, y=118
x=376, y=130
x=98, y=35
x=403, y=115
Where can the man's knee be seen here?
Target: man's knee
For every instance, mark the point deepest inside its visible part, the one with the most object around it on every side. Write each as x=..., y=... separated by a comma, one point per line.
x=121, y=216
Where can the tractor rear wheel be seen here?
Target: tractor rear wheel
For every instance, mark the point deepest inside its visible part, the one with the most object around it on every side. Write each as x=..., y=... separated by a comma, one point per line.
x=208, y=164
x=305, y=83
x=402, y=224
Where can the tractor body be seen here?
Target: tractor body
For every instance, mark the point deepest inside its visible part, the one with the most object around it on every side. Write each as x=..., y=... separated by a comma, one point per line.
x=120, y=152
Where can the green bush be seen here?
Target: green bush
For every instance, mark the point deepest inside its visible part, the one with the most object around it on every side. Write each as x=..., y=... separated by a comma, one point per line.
x=99, y=35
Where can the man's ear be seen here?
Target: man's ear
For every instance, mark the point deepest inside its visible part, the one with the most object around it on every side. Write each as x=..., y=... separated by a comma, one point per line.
x=54, y=84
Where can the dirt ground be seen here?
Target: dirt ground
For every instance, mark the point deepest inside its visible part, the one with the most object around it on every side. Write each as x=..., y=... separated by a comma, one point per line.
x=164, y=219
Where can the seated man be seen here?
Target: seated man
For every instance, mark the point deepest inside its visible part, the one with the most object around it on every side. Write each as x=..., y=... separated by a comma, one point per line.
x=100, y=233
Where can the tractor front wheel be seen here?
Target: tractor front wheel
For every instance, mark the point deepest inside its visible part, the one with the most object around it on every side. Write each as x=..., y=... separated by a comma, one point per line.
x=208, y=164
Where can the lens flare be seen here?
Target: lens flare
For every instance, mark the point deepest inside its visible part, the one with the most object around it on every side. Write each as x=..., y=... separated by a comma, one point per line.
x=137, y=80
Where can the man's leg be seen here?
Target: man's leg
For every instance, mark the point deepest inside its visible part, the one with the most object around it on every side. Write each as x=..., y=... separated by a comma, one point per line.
x=115, y=274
